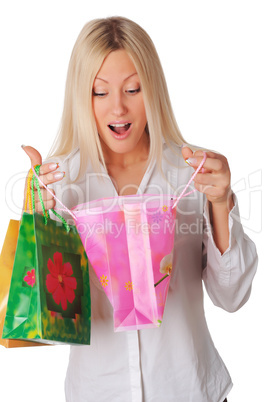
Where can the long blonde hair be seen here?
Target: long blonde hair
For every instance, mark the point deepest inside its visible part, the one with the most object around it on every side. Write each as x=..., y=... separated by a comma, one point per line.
x=78, y=127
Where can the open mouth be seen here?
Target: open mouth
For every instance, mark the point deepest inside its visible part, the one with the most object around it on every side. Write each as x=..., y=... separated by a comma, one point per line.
x=120, y=128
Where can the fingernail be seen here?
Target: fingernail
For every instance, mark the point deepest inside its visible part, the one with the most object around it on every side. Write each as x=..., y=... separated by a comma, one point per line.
x=59, y=175
x=53, y=166
x=191, y=161
x=22, y=146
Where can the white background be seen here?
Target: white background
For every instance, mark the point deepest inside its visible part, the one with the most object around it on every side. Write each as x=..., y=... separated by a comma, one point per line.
x=214, y=57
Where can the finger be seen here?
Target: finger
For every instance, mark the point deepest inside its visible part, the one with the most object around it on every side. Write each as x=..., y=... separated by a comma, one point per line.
x=206, y=179
x=46, y=195
x=48, y=173
x=187, y=152
x=36, y=159
x=213, y=179
x=188, y=155
x=50, y=178
x=214, y=192
x=211, y=164
x=212, y=155
x=48, y=168
x=204, y=182
x=49, y=204
x=33, y=154
x=209, y=154
x=47, y=200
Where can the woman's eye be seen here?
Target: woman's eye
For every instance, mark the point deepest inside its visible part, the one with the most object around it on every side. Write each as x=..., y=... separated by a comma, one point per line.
x=133, y=91
x=99, y=94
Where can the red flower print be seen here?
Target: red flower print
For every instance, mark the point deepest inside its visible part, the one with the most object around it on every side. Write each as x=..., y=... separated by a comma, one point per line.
x=60, y=281
x=30, y=278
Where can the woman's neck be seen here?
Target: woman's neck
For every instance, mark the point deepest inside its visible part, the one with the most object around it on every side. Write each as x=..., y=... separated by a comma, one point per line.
x=127, y=159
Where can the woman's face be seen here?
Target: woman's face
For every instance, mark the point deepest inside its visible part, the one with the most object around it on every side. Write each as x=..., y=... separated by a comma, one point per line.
x=118, y=105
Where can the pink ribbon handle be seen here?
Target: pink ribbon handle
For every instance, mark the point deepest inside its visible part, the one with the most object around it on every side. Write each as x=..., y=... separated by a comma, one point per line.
x=174, y=205
x=190, y=181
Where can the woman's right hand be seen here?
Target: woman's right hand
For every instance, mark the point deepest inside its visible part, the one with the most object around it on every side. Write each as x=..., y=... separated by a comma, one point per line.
x=49, y=174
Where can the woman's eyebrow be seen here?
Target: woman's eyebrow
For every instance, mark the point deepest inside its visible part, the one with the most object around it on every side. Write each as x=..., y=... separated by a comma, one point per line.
x=102, y=79
x=130, y=76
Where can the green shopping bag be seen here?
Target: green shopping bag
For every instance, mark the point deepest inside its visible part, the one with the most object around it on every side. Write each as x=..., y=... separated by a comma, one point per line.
x=49, y=296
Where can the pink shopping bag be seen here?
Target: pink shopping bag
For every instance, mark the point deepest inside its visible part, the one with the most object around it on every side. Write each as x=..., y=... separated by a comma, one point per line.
x=129, y=242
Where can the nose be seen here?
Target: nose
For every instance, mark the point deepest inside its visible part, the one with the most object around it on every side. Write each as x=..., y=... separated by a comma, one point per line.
x=119, y=107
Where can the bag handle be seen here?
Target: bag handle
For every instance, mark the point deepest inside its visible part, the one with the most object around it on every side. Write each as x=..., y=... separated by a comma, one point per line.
x=28, y=198
x=190, y=181
x=53, y=195
x=33, y=180
x=36, y=180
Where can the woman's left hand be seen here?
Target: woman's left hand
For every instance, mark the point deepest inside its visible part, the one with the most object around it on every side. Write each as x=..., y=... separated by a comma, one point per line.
x=215, y=178
x=215, y=182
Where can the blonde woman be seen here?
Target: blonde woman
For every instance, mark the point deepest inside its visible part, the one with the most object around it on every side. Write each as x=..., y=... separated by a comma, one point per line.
x=119, y=136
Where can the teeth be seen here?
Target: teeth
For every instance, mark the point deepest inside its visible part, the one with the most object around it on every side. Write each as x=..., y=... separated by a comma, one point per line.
x=119, y=125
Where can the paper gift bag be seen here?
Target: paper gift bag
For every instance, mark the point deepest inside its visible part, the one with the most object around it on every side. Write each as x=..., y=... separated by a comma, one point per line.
x=6, y=265
x=49, y=297
x=129, y=242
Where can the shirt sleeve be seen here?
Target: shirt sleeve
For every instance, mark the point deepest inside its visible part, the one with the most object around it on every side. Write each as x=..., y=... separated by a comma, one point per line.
x=228, y=277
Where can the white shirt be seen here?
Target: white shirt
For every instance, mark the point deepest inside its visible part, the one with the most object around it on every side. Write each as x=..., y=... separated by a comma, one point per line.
x=178, y=361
